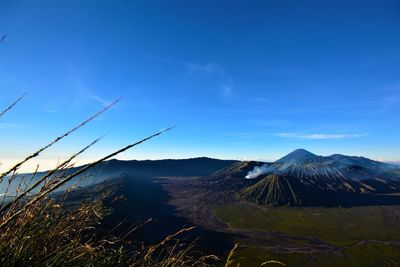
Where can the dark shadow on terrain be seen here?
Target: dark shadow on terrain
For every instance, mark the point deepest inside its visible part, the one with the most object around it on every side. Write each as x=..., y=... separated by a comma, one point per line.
x=144, y=198
x=356, y=200
x=312, y=197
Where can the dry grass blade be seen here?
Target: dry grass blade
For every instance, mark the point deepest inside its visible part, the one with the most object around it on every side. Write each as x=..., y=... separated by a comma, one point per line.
x=16, y=166
x=134, y=229
x=69, y=177
x=229, y=260
x=151, y=250
x=49, y=174
x=272, y=262
x=11, y=179
x=91, y=165
x=13, y=103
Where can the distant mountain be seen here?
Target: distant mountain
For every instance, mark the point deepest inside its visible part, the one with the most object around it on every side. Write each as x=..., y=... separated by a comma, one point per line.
x=303, y=163
x=167, y=167
x=239, y=169
x=303, y=178
x=298, y=156
x=300, y=178
x=133, y=168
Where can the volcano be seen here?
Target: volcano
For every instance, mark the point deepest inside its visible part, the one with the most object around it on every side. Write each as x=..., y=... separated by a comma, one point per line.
x=302, y=178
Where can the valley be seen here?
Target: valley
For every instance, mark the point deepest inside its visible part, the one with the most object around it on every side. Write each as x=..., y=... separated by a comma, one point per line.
x=293, y=210
x=325, y=233
x=311, y=236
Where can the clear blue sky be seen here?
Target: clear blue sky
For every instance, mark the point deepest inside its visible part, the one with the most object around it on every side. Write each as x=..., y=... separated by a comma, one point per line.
x=241, y=79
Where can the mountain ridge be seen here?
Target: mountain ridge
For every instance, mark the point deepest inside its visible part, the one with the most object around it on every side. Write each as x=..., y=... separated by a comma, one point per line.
x=303, y=178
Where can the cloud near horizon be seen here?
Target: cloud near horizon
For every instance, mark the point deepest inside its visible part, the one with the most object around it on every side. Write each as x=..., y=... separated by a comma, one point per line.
x=319, y=136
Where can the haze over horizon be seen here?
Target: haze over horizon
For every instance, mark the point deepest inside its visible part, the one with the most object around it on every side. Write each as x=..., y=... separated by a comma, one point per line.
x=241, y=80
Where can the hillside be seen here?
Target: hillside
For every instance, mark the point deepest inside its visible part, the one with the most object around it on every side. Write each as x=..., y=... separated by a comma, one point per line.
x=133, y=168
x=273, y=189
x=302, y=178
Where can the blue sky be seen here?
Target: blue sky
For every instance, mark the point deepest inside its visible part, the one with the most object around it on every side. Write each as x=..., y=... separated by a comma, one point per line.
x=241, y=79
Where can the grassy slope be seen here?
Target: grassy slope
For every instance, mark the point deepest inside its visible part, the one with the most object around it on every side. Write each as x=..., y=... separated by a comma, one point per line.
x=337, y=226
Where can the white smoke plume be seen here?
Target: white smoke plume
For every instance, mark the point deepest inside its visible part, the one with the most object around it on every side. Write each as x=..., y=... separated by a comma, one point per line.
x=257, y=171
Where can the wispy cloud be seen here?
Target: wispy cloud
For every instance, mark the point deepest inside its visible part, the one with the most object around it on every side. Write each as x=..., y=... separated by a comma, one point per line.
x=386, y=99
x=155, y=59
x=215, y=73
x=246, y=135
x=226, y=90
x=261, y=100
x=49, y=109
x=211, y=68
x=83, y=93
x=4, y=125
x=99, y=100
x=395, y=87
x=319, y=136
